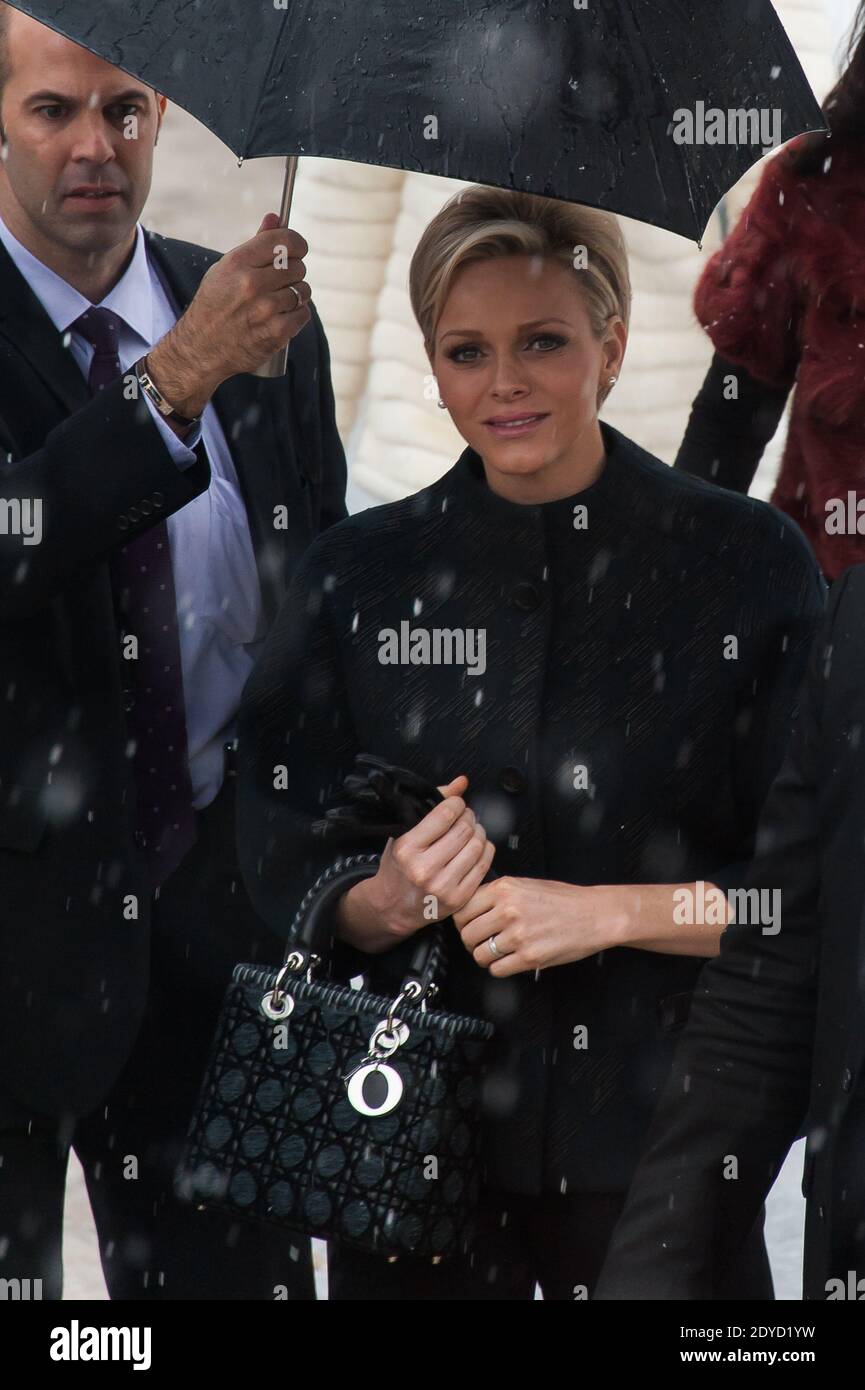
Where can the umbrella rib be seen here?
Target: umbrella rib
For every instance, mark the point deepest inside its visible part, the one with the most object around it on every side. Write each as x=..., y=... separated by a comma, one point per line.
x=265, y=86
x=658, y=84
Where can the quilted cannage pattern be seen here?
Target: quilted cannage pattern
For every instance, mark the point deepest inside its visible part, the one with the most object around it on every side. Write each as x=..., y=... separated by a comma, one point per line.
x=275, y=1137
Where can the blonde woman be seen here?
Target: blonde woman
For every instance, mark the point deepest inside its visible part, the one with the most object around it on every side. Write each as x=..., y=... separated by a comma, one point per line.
x=596, y=658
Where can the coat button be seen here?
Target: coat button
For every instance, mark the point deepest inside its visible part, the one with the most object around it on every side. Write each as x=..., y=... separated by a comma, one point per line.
x=157, y=499
x=145, y=507
x=134, y=514
x=847, y=1079
x=512, y=780
x=123, y=523
x=128, y=701
x=526, y=596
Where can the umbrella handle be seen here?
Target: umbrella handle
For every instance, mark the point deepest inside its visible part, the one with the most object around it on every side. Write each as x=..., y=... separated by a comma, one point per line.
x=277, y=365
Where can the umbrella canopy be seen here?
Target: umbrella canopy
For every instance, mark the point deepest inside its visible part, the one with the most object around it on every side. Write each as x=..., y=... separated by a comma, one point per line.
x=650, y=108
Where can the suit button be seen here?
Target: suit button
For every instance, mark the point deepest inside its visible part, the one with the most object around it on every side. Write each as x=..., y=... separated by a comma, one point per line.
x=128, y=701
x=140, y=839
x=157, y=499
x=847, y=1079
x=526, y=596
x=134, y=514
x=512, y=780
x=145, y=507
x=123, y=523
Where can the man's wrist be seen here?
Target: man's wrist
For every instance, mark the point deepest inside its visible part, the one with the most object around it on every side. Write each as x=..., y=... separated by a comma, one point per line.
x=185, y=388
x=182, y=431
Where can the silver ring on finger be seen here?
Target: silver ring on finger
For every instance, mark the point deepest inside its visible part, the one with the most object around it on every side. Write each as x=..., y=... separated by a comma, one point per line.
x=296, y=292
x=491, y=942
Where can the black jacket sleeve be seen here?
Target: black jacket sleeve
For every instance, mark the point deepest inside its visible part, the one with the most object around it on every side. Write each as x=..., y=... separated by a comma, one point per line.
x=725, y=438
x=296, y=744
x=88, y=480
x=792, y=595
x=739, y=1087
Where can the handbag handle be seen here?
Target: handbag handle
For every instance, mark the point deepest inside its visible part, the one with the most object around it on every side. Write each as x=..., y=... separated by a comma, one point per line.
x=311, y=923
x=311, y=927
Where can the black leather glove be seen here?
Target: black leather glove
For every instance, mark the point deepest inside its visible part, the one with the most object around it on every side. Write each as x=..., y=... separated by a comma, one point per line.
x=382, y=802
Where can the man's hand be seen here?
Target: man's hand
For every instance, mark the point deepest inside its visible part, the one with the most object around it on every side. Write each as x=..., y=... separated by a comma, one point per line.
x=244, y=311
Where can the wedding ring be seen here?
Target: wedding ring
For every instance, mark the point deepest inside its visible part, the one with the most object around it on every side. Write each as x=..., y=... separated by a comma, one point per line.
x=296, y=292
x=491, y=942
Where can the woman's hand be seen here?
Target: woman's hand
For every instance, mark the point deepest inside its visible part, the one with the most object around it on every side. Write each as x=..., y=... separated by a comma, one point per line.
x=536, y=923
x=426, y=874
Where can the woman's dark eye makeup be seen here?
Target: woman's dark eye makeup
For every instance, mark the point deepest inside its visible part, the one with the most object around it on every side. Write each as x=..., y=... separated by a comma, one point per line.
x=556, y=339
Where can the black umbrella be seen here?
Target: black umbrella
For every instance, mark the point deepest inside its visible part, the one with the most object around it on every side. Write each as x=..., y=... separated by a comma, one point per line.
x=579, y=104
x=649, y=108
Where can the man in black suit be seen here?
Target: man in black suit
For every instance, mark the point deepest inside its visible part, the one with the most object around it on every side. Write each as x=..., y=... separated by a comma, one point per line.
x=777, y=1028
x=154, y=499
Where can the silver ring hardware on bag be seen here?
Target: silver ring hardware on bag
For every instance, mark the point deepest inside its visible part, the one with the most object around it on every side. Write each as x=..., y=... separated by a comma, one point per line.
x=411, y=990
x=277, y=1008
x=428, y=996
x=388, y=1035
x=278, y=1004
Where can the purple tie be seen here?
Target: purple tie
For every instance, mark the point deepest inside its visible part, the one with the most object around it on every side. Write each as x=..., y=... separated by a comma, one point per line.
x=146, y=603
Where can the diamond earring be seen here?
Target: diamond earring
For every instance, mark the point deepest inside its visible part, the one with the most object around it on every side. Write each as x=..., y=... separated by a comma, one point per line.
x=442, y=405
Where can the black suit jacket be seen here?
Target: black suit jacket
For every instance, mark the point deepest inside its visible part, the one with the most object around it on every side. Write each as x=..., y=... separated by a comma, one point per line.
x=778, y=1023
x=73, y=955
x=604, y=648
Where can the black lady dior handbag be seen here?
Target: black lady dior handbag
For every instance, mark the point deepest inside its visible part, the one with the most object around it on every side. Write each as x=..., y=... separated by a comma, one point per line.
x=335, y=1111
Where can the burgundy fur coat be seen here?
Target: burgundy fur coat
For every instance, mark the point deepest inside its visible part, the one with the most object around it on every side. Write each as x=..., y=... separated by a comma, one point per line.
x=785, y=298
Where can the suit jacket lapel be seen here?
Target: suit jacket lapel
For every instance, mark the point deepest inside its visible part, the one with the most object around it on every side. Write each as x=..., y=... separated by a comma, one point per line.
x=25, y=323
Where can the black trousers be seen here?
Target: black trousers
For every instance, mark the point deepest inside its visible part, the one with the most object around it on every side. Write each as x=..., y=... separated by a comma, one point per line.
x=557, y=1241
x=152, y=1246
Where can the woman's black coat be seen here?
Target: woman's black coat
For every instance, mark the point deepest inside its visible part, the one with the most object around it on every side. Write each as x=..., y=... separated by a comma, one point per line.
x=656, y=640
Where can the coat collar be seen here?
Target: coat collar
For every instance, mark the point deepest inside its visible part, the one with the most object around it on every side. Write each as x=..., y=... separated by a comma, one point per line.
x=468, y=482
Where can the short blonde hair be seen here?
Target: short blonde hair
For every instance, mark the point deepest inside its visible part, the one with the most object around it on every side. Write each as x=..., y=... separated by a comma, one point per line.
x=480, y=223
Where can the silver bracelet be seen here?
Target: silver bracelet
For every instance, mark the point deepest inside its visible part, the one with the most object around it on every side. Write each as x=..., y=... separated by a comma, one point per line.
x=149, y=387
